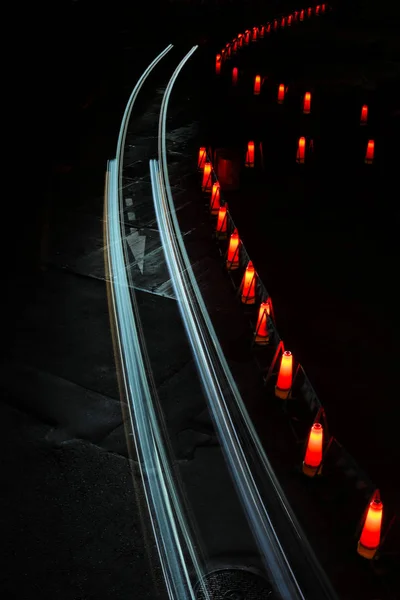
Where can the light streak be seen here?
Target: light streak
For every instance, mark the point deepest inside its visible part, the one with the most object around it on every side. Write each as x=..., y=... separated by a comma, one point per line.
x=165, y=510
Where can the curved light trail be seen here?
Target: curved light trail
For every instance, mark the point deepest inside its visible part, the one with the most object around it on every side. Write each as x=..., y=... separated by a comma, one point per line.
x=218, y=382
x=166, y=514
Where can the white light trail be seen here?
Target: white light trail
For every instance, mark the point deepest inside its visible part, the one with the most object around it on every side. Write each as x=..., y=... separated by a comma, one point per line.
x=166, y=514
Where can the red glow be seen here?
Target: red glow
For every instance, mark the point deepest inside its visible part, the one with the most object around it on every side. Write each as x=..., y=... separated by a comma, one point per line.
x=255, y=34
x=364, y=114
x=309, y=12
x=369, y=155
x=201, y=161
x=206, y=183
x=234, y=76
x=283, y=22
x=250, y=155
x=232, y=261
x=217, y=66
x=269, y=28
x=275, y=24
x=301, y=151
x=313, y=457
x=281, y=93
x=317, y=9
x=284, y=382
x=247, y=37
x=295, y=15
x=215, y=199
x=323, y=8
x=222, y=221
x=262, y=31
x=289, y=20
x=371, y=533
x=307, y=103
x=302, y=15
x=262, y=336
x=257, y=85
x=249, y=285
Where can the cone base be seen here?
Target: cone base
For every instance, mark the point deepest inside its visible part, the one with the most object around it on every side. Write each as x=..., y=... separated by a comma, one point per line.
x=311, y=471
x=283, y=394
x=232, y=266
x=261, y=340
x=247, y=300
x=368, y=553
x=221, y=235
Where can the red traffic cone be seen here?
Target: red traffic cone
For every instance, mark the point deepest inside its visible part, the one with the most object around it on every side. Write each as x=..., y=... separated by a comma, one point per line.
x=285, y=376
x=370, y=538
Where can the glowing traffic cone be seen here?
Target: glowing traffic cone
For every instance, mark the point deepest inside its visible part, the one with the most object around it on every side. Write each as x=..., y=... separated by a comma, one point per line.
x=309, y=12
x=207, y=179
x=247, y=37
x=261, y=336
x=232, y=260
x=268, y=28
x=255, y=34
x=364, y=115
x=283, y=22
x=234, y=76
x=215, y=199
x=313, y=456
x=235, y=46
x=241, y=40
x=370, y=538
x=302, y=15
x=307, y=103
x=201, y=161
x=257, y=85
x=262, y=31
x=281, y=93
x=249, y=162
x=222, y=222
x=284, y=382
x=301, y=151
x=218, y=64
x=369, y=155
x=289, y=20
x=317, y=9
x=248, y=285
x=323, y=8
x=275, y=24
